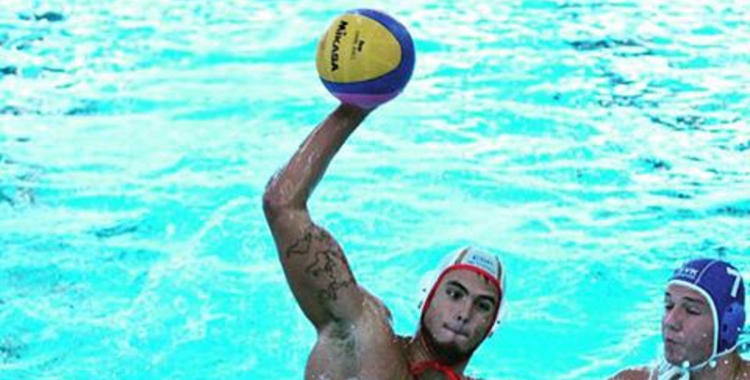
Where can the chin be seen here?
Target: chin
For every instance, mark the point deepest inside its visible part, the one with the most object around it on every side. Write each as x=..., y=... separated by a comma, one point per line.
x=450, y=347
x=672, y=356
x=679, y=359
x=448, y=344
x=674, y=359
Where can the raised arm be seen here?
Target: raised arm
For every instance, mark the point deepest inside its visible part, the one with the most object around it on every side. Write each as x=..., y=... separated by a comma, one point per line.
x=314, y=263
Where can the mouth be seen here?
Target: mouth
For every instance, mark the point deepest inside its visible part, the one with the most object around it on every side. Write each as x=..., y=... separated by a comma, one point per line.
x=455, y=331
x=670, y=342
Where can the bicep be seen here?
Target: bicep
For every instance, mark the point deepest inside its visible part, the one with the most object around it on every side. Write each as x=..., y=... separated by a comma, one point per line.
x=316, y=269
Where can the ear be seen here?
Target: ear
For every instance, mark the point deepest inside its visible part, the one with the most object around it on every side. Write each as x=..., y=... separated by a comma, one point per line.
x=732, y=321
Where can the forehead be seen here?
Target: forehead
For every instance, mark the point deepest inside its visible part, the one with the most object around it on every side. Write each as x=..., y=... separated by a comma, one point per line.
x=677, y=292
x=472, y=281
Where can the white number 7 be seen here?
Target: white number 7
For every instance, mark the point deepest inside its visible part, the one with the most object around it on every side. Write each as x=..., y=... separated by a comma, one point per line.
x=737, y=277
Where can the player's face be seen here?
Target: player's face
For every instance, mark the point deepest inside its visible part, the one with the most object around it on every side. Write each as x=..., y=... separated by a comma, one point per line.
x=687, y=326
x=461, y=312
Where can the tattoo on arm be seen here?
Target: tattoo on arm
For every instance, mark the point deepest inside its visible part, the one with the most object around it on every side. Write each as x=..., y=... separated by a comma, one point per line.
x=325, y=262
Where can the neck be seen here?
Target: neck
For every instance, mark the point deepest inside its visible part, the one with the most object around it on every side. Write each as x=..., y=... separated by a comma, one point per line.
x=728, y=367
x=419, y=351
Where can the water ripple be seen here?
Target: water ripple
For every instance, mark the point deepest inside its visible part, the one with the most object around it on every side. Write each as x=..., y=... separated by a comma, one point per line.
x=595, y=145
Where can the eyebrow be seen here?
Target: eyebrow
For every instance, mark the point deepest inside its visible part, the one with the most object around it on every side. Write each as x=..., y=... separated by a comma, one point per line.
x=465, y=290
x=695, y=300
x=458, y=285
x=689, y=299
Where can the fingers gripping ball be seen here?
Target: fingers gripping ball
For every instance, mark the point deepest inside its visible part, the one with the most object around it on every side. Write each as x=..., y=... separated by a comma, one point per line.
x=365, y=58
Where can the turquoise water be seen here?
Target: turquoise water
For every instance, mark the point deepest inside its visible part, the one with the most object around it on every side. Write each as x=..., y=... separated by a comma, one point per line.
x=594, y=145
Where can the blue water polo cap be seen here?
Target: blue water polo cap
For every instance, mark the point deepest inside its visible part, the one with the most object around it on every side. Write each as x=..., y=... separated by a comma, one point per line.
x=722, y=286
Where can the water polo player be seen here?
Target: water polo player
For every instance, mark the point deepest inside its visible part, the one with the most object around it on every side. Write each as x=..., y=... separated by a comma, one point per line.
x=704, y=314
x=355, y=338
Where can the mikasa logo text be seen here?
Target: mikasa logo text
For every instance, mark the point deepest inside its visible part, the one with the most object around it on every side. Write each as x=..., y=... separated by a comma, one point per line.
x=340, y=33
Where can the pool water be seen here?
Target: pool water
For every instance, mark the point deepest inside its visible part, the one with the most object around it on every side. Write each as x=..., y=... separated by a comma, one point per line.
x=593, y=145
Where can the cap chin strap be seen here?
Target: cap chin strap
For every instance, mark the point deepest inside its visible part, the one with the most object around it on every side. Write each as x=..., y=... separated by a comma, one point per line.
x=710, y=361
x=668, y=370
x=421, y=367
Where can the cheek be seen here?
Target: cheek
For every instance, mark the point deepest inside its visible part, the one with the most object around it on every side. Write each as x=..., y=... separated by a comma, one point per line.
x=482, y=324
x=704, y=335
x=708, y=330
x=707, y=339
x=436, y=309
x=480, y=330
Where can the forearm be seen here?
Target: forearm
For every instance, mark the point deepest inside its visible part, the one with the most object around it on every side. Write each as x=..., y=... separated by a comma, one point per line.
x=294, y=183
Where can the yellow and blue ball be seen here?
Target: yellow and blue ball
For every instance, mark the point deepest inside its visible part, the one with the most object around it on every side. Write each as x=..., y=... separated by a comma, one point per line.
x=365, y=58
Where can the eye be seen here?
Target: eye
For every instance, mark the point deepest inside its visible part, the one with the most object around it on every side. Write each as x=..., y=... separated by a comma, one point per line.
x=453, y=293
x=485, y=306
x=668, y=306
x=693, y=311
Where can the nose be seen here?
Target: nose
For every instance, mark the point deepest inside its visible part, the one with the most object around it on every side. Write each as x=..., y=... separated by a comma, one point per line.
x=463, y=312
x=673, y=319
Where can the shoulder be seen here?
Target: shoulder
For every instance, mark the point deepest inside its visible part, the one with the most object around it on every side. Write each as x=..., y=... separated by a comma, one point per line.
x=745, y=368
x=376, y=306
x=374, y=316
x=640, y=373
